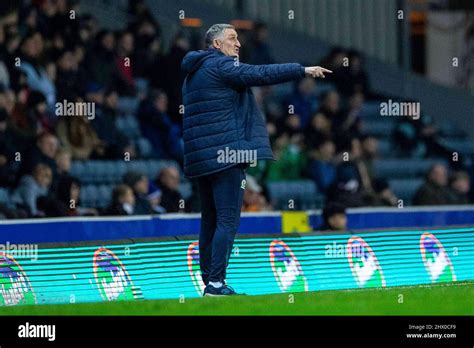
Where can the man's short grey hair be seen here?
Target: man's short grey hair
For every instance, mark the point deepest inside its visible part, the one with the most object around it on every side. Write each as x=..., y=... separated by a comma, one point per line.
x=216, y=31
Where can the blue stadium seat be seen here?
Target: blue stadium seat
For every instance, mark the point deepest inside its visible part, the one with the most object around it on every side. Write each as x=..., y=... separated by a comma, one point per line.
x=110, y=176
x=104, y=195
x=371, y=109
x=78, y=169
x=385, y=148
x=449, y=129
x=128, y=124
x=283, y=90
x=119, y=168
x=380, y=128
x=155, y=166
x=185, y=189
x=127, y=105
x=405, y=188
x=303, y=193
x=324, y=87
x=145, y=147
x=142, y=85
x=463, y=147
x=4, y=196
x=138, y=166
x=89, y=196
x=95, y=172
x=403, y=168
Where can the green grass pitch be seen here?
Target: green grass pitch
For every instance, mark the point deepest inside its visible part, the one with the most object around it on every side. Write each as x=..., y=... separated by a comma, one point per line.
x=447, y=299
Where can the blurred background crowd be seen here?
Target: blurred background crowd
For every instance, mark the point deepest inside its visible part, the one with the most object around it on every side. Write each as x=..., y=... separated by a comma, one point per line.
x=328, y=137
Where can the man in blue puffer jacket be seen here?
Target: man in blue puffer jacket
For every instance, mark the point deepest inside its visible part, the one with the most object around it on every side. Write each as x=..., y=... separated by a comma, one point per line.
x=223, y=131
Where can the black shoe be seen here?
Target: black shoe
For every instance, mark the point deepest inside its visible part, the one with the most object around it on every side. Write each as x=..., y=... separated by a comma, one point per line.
x=224, y=290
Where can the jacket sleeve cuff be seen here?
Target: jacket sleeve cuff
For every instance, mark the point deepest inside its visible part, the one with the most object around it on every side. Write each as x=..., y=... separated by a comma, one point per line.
x=303, y=74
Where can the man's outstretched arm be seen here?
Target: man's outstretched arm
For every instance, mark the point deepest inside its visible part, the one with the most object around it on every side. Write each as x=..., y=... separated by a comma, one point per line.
x=246, y=75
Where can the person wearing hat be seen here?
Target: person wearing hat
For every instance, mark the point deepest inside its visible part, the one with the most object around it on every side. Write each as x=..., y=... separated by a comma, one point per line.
x=139, y=184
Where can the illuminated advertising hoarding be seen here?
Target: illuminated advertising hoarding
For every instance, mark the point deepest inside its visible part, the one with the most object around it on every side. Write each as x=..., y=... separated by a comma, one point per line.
x=266, y=265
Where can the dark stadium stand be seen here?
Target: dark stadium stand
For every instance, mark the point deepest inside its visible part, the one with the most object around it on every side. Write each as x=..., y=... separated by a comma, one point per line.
x=404, y=169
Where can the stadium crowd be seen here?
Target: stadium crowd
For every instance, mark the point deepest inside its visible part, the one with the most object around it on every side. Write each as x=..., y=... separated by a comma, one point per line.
x=47, y=57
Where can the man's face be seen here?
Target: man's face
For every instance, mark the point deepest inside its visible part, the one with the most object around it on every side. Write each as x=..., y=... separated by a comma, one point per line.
x=439, y=175
x=462, y=185
x=128, y=197
x=228, y=43
x=327, y=150
x=170, y=178
x=48, y=146
x=63, y=161
x=338, y=222
x=370, y=146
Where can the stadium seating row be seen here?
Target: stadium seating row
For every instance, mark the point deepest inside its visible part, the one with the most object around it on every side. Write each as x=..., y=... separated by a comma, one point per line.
x=99, y=177
x=111, y=172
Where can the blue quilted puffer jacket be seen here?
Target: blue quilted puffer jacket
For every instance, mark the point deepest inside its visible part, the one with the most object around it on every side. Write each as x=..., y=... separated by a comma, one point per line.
x=220, y=110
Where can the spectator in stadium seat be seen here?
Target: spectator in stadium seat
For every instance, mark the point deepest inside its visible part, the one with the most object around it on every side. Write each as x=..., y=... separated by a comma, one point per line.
x=70, y=78
x=319, y=127
x=459, y=187
x=302, y=100
x=421, y=138
x=38, y=78
x=291, y=159
x=180, y=45
x=147, y=48
x=44, y=151
x=66, y=200
x=79, y=137
x=351, y=122
x=369, y=153
x=154, y=198
x=260, y=49
x=157, y=127
x=140, y=185
x=68, y=196
x=321, y=167
x=8, y=147
x=123, y=201
x=33, y=118
x=351, y=78
x=168, y=182
x=352, y=181
x=115, y=141
x=332, y=110
x=123, y=63
x=434, y=191
x=334, y=218
x=63, y=160
x=99, y=60
x=32, y=187
x=382, y=195
x=334, y=60
x=254, y=200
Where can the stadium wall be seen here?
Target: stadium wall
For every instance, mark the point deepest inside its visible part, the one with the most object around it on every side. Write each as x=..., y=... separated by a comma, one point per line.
x=115, y=228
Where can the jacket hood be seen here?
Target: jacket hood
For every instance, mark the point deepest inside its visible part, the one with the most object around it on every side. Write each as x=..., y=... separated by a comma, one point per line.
x=194, y=59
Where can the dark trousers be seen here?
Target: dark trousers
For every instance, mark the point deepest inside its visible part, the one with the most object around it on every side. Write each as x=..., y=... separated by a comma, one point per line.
x=221, y=200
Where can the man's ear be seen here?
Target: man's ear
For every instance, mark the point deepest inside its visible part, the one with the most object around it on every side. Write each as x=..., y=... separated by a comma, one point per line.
x=216, y=43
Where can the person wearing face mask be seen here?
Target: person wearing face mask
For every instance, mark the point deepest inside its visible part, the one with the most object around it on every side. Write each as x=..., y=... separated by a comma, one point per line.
x=123, y=201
